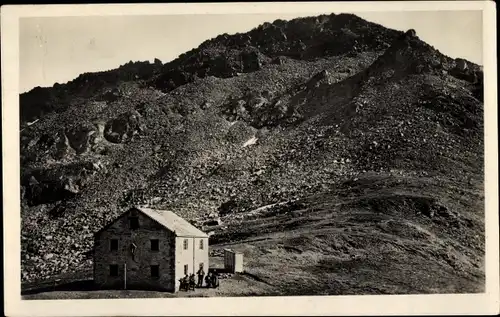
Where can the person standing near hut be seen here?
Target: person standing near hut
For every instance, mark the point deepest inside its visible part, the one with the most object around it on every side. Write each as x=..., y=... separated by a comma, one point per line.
x=208, y=279
x=214, y=280
x=184, y=283
x=201, y=275
x=192, y=282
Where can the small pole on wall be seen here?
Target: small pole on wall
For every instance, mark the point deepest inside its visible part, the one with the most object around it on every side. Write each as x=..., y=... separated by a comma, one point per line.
x=125, y=276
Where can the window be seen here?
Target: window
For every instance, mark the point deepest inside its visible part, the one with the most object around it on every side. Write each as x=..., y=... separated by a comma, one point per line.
x=185, y=269
x=133, y=222
x=185, y=244
x=113, y=246
x=155, y=271
x=201, y=245
x=155, y=245
x=113, y=270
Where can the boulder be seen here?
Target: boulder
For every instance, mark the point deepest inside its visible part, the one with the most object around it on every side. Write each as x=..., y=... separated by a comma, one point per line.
x=60, y=183
x=322, y=77
x=71, y=186
x=278, y=60
x=123, y=127
x=157, y=62
x=465, y=71
x=256, y=103
x=213, y=222
x=251, y=61
x=411, y=33
x=48, y=256
x=461, y=65
x=110, y=95
x=228, y=207
x=62, y=145
x=81, y=137
x=221, y=67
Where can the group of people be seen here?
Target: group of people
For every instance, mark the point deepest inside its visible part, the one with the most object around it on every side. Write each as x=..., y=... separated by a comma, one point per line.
x=211, y=280
x=188, y=281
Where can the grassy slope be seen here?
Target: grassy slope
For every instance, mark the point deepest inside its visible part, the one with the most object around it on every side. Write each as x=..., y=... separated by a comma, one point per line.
x=378, y=242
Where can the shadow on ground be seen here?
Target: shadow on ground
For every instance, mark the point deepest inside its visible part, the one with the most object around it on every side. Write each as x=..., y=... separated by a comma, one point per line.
x=84, y=285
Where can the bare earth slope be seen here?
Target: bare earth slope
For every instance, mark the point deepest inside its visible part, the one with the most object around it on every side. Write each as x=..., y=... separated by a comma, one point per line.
x=341, y=157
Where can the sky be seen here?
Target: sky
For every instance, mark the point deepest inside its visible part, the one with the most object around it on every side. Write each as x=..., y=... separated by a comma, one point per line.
x=58, y=49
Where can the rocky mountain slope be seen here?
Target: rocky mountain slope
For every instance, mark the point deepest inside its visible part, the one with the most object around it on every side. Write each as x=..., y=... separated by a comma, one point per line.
x=288, y=118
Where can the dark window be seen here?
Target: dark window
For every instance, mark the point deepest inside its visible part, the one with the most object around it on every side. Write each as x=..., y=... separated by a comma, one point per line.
x=113, y=245
x=133, y=222
x=155, y=271
x=113, y=270
x=185, y=269
x=201, y=245
x=185, y=244
x=155, y=245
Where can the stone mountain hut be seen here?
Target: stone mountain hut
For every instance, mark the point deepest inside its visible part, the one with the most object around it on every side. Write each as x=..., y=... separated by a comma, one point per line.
x=148, y=249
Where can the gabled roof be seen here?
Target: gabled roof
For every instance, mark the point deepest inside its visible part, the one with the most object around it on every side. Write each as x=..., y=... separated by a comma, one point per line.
x=167, y=219
x=173, y=222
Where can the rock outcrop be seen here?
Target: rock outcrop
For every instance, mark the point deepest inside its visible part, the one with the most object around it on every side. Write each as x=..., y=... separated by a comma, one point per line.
x=123, y=127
